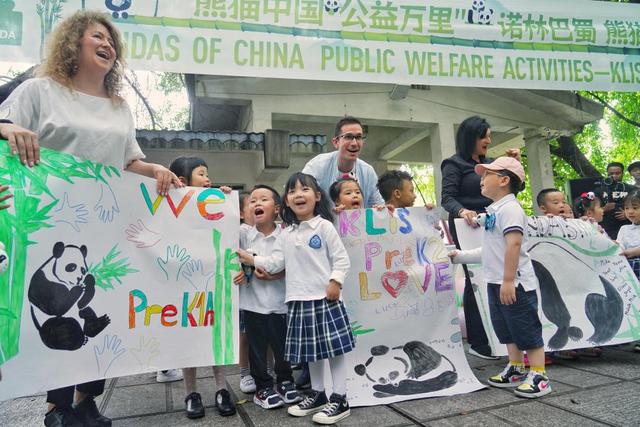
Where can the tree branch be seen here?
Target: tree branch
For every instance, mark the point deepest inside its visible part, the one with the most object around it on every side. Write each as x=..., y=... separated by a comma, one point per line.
x=144, y=101
x=613, y=110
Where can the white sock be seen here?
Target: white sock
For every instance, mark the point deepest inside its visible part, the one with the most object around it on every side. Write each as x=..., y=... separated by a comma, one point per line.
x=338, y=366
x=316, y=372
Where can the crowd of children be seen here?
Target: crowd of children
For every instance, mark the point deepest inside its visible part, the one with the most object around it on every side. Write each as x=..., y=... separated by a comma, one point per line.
x=291, y=284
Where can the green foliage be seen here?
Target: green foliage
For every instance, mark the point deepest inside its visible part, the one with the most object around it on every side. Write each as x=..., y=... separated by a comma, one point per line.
x=171, y=83
x=110, y=269
x=423, y=181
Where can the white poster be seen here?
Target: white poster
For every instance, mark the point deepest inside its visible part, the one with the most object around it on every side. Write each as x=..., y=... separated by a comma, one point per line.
x=107, y=279
x=547, y=44
x=588, y=294
x=400, y=298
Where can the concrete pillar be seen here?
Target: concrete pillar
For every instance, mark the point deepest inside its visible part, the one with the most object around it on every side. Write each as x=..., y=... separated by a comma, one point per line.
x=536, y=142
x=261, y=119
x=443, y=145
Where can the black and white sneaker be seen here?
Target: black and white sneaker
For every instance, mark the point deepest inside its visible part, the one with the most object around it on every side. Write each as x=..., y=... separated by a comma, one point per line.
x=268, y=398
x=336, y=410
x=288, y=393
x=483, y=352
x=194, y=407
x=314, y=402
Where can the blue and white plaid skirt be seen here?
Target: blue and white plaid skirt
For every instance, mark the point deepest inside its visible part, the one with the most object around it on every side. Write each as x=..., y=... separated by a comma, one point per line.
x=635, y=266
x=317, y=330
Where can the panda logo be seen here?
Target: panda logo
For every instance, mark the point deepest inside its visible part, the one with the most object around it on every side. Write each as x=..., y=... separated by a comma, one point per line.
x=118, y=8
x=4, y=259
x=414, y=368
x=331, y=6
x=479, y=14
x=59, y=290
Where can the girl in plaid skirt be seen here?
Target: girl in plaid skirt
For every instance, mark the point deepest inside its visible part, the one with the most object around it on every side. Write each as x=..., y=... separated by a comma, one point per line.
x=316, y=262
x=629, y=235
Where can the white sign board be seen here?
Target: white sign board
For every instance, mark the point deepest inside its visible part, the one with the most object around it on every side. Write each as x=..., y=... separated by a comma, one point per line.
x=588, y=294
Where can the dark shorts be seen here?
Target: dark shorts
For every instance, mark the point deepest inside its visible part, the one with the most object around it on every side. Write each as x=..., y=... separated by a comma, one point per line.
x=517, y=323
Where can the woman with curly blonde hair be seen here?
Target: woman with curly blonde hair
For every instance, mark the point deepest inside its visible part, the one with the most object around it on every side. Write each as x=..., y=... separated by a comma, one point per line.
x=64, y=46
x=74, y=107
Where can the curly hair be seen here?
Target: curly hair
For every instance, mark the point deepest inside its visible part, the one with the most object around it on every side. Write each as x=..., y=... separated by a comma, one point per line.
x=63, y=51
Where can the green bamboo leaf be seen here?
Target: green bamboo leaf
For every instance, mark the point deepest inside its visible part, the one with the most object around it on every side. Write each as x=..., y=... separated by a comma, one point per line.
x=110, y=270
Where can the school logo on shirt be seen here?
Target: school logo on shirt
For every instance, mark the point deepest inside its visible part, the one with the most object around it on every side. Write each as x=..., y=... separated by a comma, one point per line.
x=315, y=242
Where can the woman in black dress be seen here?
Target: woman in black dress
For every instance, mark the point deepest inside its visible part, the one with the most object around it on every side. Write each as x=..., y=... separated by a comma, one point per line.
x=461, y=197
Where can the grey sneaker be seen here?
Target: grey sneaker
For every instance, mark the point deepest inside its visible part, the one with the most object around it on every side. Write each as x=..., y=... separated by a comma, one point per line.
x=288, y=393
x=268, y=398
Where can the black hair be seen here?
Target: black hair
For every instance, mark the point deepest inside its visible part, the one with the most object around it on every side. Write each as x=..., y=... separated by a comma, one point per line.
x=542, y=195
x=347, y=120
x=515, y=186
x=184, y=166
x=632, y=198
x=584, y=202
x=276, y=197
x=633, y=165
x=615, y=164
x=469, y=131
x=390, y=181
x=322, y=208
x=242, y=198
x=336, y=188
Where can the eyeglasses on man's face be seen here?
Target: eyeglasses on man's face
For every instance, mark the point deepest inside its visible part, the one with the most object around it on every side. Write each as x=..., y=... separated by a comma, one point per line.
x=351, y=137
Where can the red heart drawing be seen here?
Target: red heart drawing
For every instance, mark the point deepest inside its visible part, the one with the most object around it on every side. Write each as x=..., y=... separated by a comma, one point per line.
x=399, y=278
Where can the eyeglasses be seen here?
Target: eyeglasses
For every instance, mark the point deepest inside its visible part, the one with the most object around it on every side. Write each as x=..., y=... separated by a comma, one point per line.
x=350, y=137
x=489, y=172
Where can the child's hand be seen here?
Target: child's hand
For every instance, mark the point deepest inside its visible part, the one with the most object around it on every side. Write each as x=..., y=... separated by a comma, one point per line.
x=245, y=257
x=469, y=216
x=391, y=208
x=508, y=293
x=430, y=206
x=333, y=290
x=263, y=275
x=513, y=152
x=240, y=278
x=226, y=190
x=339, y=208
x=380, y=208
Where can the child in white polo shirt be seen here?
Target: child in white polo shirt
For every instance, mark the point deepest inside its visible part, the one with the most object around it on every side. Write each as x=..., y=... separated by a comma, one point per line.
x=318, y=327
x=262, y=301
x=511, y=280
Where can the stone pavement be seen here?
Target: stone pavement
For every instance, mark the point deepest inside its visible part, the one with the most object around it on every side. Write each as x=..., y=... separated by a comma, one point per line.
x=600, y=391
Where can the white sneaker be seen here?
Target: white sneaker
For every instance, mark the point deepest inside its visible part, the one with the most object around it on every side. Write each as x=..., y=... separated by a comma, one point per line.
x=169, y=375
x=482, y=355
x=247, y=384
